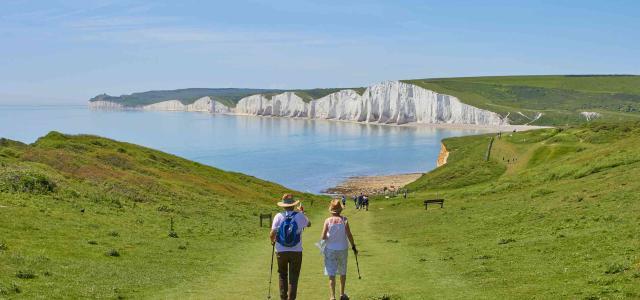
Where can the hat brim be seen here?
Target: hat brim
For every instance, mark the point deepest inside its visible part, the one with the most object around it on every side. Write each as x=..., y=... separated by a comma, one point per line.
x=282, y=204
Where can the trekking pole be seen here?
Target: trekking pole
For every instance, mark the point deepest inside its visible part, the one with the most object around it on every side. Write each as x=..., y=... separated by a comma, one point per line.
x=273, y=249
x=357, y=265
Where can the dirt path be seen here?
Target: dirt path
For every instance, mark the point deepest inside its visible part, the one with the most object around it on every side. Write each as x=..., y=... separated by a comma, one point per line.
x=386, y=268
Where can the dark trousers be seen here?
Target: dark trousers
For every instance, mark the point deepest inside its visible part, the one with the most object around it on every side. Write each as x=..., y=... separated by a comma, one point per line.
x=289, y=264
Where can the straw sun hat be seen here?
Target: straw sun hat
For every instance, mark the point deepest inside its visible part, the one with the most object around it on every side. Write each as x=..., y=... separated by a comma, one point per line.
x=288, y=201
x=336, y=206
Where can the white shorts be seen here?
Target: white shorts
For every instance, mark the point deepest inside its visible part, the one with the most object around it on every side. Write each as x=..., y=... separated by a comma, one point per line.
x=335, y=262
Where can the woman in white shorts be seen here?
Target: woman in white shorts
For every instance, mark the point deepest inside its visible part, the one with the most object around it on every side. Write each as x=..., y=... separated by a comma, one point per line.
x=335, y=233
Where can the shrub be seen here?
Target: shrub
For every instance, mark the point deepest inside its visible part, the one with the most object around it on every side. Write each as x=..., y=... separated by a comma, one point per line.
x=182, y=247
x=92, y=242
x=114, y=233
x=27, y=182
x=113, y=253
x=25, y=274
x=173, y=234
x=3, y=246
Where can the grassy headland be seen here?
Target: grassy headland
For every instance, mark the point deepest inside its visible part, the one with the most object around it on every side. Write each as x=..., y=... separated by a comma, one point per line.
x=560, y=99
x=88, y=217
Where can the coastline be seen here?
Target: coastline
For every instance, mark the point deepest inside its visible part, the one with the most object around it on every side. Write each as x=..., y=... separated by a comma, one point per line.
x=487, y=128
x=371, y=185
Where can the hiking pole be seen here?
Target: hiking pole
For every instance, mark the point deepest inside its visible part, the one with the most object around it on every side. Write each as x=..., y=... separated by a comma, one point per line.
x=273, y=249
x=357, y=265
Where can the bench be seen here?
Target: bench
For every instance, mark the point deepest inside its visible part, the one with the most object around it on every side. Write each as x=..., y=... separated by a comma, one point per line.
x=433, y=201
x=266, y=216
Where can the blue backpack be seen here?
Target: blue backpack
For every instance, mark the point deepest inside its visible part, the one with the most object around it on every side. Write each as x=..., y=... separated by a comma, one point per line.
x=288, y=235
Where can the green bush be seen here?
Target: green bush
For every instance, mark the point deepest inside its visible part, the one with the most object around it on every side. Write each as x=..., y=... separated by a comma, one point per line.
x=26, y=182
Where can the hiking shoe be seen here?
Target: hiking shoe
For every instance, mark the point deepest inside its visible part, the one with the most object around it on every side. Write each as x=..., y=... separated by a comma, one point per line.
x=344, y=297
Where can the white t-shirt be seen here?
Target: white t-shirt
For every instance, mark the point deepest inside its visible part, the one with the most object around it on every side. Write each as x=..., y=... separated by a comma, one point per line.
x=302, y=222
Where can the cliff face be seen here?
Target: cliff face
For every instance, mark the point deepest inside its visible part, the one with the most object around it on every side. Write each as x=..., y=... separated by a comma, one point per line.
x=106, y=105
x=204, y=104
x=390, y=102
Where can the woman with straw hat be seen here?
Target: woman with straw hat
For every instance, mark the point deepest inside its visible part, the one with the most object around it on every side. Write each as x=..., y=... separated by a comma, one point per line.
x=286, y=236
x=335, y=233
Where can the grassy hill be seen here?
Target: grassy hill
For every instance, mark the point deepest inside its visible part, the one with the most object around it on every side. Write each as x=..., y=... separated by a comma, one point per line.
x=560, y=99
x=554, y=213
x=88, y=217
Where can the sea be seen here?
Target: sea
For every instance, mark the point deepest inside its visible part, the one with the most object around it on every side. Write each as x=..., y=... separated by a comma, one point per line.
x=305, y=155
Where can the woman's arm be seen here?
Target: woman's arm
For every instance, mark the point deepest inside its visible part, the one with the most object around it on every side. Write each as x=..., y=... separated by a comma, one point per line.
x=272, y=236
x=325, y=228
x=350, y=236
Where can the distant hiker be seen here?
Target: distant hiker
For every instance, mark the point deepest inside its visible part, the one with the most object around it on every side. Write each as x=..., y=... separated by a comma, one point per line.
x=359, y=202
x=335, y=233
x=365, y=202
x=344, y=200
x=286, y=233
x=404, y=195
x=355, y=201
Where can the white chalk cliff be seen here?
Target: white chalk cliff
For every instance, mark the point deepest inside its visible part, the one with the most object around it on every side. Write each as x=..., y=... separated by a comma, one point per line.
x=389, y=102
x=106, y=105
x=204, y=104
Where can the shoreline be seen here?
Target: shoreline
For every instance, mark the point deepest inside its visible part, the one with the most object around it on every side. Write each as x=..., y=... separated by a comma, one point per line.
x=487, y=128
x=372, y=185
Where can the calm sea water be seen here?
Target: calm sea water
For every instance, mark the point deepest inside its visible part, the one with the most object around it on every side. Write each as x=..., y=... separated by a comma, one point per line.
x=305, y=155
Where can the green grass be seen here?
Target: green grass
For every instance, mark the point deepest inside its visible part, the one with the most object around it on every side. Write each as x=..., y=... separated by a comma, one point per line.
x=559, y=221
x=120, y=246
x=559, y=98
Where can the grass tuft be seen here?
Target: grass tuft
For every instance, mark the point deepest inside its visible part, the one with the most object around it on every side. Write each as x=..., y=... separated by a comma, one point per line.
x=25, y=274
x=505, y=241
x=112, y=253
x=615, y=268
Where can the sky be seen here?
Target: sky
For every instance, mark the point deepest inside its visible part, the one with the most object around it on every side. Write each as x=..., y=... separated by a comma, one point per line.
x=60, y=51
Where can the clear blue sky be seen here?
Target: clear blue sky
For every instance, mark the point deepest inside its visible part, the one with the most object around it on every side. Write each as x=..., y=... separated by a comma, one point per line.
x=73, y=50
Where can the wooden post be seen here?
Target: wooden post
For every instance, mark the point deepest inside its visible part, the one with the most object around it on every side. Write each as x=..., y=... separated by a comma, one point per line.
x=265, y=216
x=486, y=158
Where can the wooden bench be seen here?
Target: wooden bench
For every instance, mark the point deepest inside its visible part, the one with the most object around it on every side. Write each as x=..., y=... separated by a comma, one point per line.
x=266, y=216
x=433, y=201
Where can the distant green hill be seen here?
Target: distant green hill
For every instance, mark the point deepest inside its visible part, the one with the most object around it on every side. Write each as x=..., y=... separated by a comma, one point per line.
x=88, y=217
x=560, y=99
x=226, y=96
